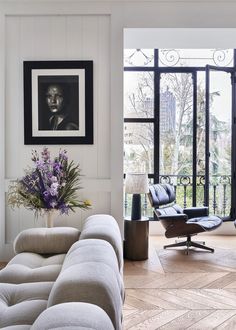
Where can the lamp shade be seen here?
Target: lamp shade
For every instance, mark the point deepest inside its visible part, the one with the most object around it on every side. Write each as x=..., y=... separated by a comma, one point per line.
x=136, y=183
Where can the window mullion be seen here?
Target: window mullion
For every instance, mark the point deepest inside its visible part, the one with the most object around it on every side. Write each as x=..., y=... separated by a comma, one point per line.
x=194, y=182
x=233, y=142
x=156, y=118
x=207, y=148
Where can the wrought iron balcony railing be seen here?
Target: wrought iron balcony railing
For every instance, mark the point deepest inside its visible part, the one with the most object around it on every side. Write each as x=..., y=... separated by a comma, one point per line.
x=219, y=193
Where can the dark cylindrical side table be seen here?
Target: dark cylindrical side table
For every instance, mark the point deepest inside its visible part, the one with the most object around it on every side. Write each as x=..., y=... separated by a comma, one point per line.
x=136, y=239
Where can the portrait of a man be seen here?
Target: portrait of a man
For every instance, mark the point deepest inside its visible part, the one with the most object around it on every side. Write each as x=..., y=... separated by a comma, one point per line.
x=58, y=103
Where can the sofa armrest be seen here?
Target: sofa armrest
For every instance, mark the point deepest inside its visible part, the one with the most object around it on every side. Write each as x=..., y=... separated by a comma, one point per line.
x=89, y=282
x=196, y=212
x=173, y=218
x=104, y=227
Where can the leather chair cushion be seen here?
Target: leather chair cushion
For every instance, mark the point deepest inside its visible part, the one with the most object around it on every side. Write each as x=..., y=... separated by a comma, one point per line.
x=207, y=223
x=171, y=210
x=196, y=212
x=162, y=194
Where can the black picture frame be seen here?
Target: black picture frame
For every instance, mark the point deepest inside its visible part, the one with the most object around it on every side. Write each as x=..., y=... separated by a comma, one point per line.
x=71, y=120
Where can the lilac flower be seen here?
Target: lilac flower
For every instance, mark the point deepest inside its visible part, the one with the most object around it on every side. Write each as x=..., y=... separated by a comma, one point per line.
x=30, y=184
x=63, y=155
x=54, y=178
x=34, y=176
x=53, y=204
x=46, y=194
x=39, y=164
x=49, y=176
x=35, y=156
x=64, y=208
x=45, y=154
x=40, y=181
x=56, y=167
x=54, y=189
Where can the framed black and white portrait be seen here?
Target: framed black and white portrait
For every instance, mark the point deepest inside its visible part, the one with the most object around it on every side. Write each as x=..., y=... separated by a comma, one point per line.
x=58, y=102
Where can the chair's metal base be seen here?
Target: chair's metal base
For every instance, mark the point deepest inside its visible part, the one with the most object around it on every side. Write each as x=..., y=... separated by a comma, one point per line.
x=181, y=240
x=188, y=243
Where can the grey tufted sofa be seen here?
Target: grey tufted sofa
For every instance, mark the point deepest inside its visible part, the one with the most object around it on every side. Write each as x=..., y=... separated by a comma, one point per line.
x=63, y=279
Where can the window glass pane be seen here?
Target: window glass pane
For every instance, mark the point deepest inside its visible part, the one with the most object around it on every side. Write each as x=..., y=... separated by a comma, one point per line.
x=138, y=57
x=176, y=121
x=195, y=57
x=138, y=94
x=138, y=147
x=220, y=143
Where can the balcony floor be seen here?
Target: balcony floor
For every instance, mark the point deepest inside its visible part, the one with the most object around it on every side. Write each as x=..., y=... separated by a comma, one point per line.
x=172, y=290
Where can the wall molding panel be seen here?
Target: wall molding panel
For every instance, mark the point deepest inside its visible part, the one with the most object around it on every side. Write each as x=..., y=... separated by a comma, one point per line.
x=55, y=37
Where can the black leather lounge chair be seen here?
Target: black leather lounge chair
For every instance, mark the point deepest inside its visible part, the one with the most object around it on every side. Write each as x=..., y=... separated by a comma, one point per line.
x=180, y=222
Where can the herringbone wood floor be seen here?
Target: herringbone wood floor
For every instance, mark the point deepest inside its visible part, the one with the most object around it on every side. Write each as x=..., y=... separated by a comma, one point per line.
x=175, y=291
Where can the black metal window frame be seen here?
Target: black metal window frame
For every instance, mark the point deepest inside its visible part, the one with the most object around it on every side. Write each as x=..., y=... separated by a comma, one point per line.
x=232, y=71
x=157, y=71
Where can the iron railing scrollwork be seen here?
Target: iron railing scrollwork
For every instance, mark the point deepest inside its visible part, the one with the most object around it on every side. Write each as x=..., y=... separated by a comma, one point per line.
x=218, y=57
x=221, y=57
x=169, y=57
x=146, y=58
x=220, y=192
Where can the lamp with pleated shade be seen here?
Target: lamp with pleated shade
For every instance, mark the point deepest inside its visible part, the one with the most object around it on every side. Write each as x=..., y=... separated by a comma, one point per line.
x=136, y=184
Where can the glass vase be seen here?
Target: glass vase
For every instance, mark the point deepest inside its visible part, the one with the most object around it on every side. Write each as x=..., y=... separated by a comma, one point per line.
x=50, y=217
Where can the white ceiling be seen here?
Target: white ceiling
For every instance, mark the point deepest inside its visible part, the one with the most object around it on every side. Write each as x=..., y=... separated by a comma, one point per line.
x=180, y=38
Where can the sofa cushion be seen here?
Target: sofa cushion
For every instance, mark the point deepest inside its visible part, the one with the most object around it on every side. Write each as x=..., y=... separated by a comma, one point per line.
x=21, y=304
x=18, y=274
x=91, y=282
x=105, y=227
x=77, y=316
x=30, y=267
x=34, y=260
x=46, y=240
x=94, y=250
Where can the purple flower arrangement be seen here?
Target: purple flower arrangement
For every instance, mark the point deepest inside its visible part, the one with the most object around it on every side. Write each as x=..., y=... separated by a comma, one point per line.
x=50, y=184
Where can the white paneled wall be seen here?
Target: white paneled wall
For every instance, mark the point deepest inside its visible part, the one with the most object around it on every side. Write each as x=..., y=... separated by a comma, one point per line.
x=76, y=37
x=86, y=30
